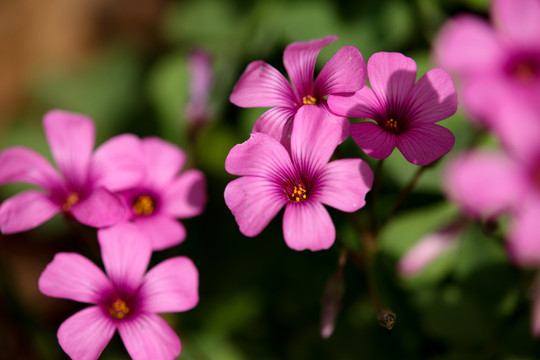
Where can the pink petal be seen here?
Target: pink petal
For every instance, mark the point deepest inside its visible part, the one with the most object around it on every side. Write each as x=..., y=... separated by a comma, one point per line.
x=84, y=335
x=467, y=44
x=345, y=125
x=392, y=77
x=518, y=20
x=375, y=142
x=101, y=208
x=116, y=164
x=148, y=336
x=163, y=160
x=433, y=98
x=483, y=183
x=26, y=211
x=299, y=60
x=524, y=238
x=254, y=202
x=186, y=196
x=171, y=286
x=261, y=85
x=345, y=72
x=421, y=145
x=344, y=184
x=362, y=104
x=125, y=252
x=277, y=122
x=162, y=230
x=20, y=164
x=72, y=276
x=261, y=155
x=307, y=225
x=71, y=138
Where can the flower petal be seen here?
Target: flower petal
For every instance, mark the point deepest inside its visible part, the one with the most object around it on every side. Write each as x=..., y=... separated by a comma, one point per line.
x=363, y=104
x=163, y=160
x=20, y=164
x=125, y=252
x=84, y=335
x=433, y=97
x=344, y=184
x=71, y=138
x=186, y=196
x=307, y=225
x=26, y=211
x=254, y=202
x=171, y=286
x=345, y=72
x=517, y=20
x=421, y=145
x=261, y=85
x=524, y=239
x=148, y=336
x=116, y=164
x=299, y=60
x=162, y=230
x=373, y=140
x=277, y=122
x=101, y=208
x=72, y=276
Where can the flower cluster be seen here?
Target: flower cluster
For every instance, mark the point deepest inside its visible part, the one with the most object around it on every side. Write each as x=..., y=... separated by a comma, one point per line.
x=131, y=190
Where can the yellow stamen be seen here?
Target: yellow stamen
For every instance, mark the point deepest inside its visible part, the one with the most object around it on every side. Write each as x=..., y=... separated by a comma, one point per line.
x=119, y=309
x=309, y=100
x=298, y=194
x=144, y=205
x=391, y=125
x=72, y=199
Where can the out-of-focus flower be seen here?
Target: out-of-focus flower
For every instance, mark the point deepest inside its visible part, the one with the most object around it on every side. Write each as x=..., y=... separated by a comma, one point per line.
x=302, y=181
x=125, y=298
x=84, y=186
x=201, y=77
x=163, y=195
x=261, y=85
x=495, y=64
x=405, y=113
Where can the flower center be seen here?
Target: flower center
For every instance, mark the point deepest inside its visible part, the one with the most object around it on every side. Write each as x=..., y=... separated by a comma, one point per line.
x=144, y=205
x=525, y=71
x=299, y=193
x=391, y=126
x=119, y=309
x=309, y=100
x=72, y=199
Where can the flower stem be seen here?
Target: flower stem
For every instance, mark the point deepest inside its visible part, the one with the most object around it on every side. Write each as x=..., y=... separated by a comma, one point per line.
x=375, y=193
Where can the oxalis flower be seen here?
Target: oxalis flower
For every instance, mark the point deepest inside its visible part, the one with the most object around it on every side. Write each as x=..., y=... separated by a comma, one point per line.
x=261, y=85
x=163, y=194
x=405, y=113
x=82, y=189
x=301, y=181
x=125, y=298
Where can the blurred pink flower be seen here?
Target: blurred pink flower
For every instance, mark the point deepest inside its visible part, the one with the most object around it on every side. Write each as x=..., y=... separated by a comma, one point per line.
x=163, y=195
x=302, y=181
x=261, y=85
x=200, y=84
x=84, y=186
x=125, y=298
x=405, y=113
x=494, y=64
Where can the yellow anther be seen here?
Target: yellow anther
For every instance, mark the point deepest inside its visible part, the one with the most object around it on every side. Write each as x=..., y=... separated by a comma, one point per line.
x=309, y=100
x=298, y=194
x=119, y=309
x=72, y=199
x=391, y=125
x=144, y=205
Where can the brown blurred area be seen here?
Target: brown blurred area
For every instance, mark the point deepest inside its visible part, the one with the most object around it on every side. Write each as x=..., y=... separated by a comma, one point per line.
x=39, y=35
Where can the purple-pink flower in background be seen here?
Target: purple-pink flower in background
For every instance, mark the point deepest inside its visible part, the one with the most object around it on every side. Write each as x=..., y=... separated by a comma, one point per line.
x=301, y=181
x=496, y=63
x=405, y=113
x=201, y=78
x=84, y=186
x=261, y=85
x=164, y=194
x=125, y=298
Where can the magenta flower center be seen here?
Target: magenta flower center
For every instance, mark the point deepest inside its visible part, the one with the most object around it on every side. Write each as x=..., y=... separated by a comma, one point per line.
x=71, y=200
x=309, y=100
x=297, y=193
x=144, y=205
x=119, y=309
x=391, y=126
x=526, y=69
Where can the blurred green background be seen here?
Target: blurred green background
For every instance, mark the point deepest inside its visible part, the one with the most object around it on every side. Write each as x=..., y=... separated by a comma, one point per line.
x=124, y=63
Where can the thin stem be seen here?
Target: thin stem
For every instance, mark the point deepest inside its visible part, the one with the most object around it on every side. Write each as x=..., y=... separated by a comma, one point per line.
x=375, y=193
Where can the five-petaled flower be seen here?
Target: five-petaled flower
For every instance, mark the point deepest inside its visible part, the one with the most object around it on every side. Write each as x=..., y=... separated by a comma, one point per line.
x=83, y=188
x=261, y=85
x=302, y=181
x=125, y=298
x=405, y=113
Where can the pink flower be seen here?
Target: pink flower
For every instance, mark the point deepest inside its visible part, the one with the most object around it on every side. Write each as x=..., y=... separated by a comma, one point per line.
x=495, y=64
x=405, y=113
x=302, y=181
x=125, y=298
x=200, y=84
x=163, y=195
x=83, y=186
x=261, y=85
